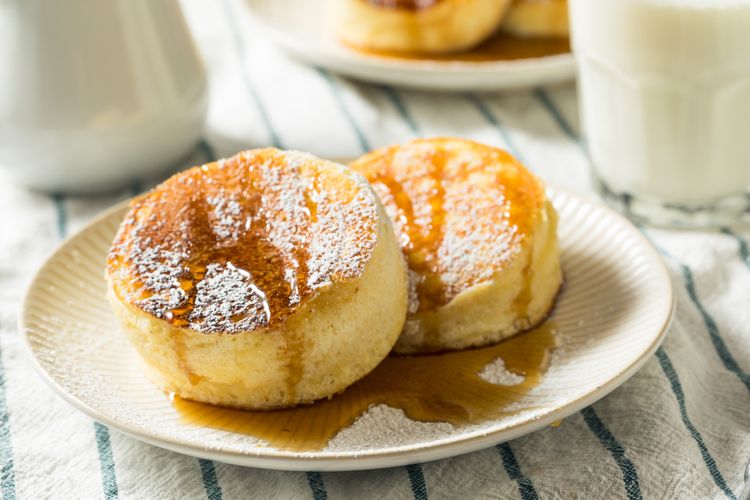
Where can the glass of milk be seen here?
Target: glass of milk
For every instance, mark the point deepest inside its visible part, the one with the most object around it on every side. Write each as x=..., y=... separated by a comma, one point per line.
x=664, y=89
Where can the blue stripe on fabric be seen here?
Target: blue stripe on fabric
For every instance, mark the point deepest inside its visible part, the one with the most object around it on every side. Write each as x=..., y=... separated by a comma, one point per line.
x=666, y=364
x=106, y=461
x=60, y=215
x=208, y=151
x=240, y=47
x=493, y=120
x=205, y=149
x=525, y=485
x=317, y=486
x=713, y=330
x=607, y=439
x=211, y=155
x=416, y=476
x=103, y=445
x=363, y=143
x=416, y=479
x=631, y=483
x=208, y=469
x=556, y=114
x=210, y=482
x=7, y=465
x=743, y=246
x=674, y=380
x=403, y=111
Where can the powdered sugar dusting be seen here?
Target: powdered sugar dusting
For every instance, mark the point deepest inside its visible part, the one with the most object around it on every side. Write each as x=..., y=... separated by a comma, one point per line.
x=228, y=216
x=382, y=423
x=474, y=248
x=461, y=211
x=227, y=299
x=495, y=372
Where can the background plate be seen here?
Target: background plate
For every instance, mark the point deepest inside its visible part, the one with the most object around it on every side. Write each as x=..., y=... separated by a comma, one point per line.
x=299, y=27
x=611, y=316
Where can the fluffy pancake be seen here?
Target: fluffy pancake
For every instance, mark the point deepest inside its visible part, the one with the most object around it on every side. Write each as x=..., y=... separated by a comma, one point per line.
x=479, y=236
x=424, y=26
x=254, y=282
x=537, y=18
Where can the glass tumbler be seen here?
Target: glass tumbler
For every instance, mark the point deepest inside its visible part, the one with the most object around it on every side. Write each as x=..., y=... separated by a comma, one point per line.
x=664, y=92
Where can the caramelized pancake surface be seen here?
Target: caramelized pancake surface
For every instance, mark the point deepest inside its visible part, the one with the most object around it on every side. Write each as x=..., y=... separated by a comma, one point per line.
x=460, y=210
x=239, y=244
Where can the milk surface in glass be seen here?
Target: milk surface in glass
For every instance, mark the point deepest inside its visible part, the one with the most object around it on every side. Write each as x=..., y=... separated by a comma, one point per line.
x=665, y=104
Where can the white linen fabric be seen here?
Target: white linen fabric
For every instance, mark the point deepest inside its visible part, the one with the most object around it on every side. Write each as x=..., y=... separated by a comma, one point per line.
x=680, y=428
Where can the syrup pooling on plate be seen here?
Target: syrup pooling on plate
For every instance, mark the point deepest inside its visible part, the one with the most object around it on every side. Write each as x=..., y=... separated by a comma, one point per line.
x=459, y=213
x=429, y=388
x=237, y=245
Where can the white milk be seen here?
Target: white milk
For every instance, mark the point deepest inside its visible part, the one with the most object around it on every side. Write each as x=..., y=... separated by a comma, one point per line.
x=665, y=96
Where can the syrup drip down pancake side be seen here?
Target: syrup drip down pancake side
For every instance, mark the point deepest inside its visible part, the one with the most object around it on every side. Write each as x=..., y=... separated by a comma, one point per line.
x=479, y=236
x=232, y=279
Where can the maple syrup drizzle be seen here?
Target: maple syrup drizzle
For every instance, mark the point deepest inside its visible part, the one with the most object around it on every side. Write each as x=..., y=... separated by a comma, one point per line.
x=421, y=243
x=523, y=299
x=428, y=388
x=432, y=291
x=501, y=47
x=181, y=352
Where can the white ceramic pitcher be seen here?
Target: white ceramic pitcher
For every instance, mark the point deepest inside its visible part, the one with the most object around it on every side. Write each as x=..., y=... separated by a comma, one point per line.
x=96, y=93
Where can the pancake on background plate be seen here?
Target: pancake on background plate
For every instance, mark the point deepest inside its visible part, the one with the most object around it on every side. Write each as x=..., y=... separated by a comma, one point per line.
x=420, y=26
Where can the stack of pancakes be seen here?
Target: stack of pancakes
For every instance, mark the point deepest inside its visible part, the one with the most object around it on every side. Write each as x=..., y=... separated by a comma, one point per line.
x=274, y=278
x=442, y=26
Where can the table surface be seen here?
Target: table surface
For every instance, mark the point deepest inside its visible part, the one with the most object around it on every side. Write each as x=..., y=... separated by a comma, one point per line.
x=680, y=428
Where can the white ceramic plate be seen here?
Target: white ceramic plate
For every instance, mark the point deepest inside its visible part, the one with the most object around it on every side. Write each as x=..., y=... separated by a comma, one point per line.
x=611, y=316
x=299, y=27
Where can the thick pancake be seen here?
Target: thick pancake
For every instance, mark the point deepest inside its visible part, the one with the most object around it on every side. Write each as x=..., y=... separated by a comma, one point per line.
x=469, y=218
x=416, y=26
x=248, y=247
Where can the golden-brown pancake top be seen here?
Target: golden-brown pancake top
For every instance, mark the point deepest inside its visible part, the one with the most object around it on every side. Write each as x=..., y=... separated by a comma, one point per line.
x=460, y=210
x=237, y=245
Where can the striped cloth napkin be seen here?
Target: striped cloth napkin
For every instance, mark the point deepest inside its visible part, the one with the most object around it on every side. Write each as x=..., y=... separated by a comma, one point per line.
x=680, y=428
